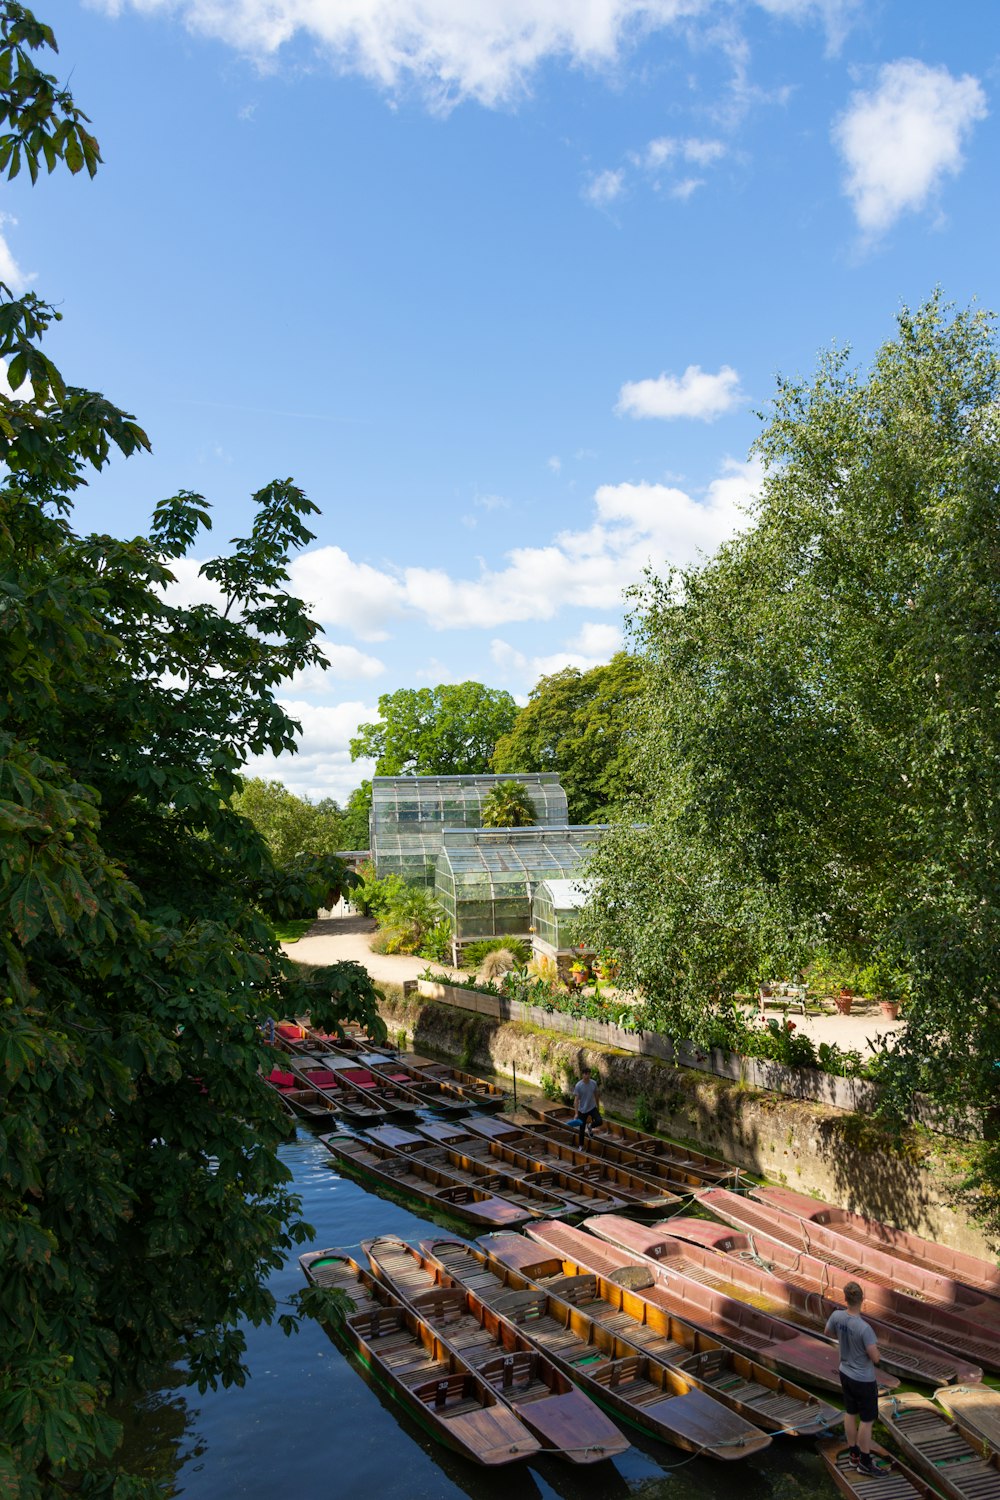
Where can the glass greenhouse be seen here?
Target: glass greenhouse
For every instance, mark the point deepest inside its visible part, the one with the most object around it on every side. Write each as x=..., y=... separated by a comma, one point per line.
x=556, y=914
x=487, y=877
x=410, y=814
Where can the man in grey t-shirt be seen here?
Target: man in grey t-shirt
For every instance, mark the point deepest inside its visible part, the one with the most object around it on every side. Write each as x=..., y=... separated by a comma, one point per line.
x=585, y=1098
x=858, y=1357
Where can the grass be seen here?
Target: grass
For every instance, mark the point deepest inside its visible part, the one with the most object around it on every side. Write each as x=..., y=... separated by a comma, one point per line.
x=290, y=932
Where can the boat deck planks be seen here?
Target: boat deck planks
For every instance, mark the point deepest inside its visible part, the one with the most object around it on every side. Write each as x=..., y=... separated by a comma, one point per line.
x=932, y=1441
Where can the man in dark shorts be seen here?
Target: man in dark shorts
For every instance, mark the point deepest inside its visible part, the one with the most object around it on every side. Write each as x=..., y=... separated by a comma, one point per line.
x=858, y=1357
x=585, y=1097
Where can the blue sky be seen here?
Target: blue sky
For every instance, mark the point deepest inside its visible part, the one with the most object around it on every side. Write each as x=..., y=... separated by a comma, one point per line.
x=500, y=283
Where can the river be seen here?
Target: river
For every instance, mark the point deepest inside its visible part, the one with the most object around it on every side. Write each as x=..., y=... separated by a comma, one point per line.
x=308, y=1426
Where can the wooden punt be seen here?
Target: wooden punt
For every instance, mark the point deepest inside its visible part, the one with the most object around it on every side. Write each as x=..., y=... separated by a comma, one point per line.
x=429, y=1380
x=578, y=1193
x=750, y=1389
x=664, y=1174
x=634, y=1190
x=975, y=1410
x=634, y=1387
x=433, y=1093
x=354, y=1104
x=900, y=1483
x=433, y=1188
x=969, y=1270
x=478, y=1091
x=306, y=1104
x=968, y=1345
x=638, y=1144
x=861, y=1260
x=566, y=1421
x=520, y=1189
x=934, y=1444
x=768, y=1339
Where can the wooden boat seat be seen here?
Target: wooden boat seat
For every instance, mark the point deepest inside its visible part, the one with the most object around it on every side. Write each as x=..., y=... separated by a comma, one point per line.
x=579, y=1290
x=445, y=1392
x=509, y=1372
x=381, y=1321
x=441, y=1304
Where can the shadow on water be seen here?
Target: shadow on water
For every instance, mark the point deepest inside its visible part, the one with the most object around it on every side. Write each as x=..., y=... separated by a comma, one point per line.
x=310, y=1423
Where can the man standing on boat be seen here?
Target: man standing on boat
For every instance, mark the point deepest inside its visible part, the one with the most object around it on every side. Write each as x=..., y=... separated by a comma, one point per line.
x=587, y=1110
x=858, y=1357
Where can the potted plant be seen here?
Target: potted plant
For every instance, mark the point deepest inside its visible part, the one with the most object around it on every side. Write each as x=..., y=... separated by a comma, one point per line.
x=843, y=1000
x=883, y=980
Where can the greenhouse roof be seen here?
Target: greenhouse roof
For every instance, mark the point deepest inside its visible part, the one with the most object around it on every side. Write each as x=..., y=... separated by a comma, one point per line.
x=568, y=895
x=533, y=852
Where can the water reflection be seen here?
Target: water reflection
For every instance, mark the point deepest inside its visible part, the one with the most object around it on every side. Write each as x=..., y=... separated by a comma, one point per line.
x=309, y=1422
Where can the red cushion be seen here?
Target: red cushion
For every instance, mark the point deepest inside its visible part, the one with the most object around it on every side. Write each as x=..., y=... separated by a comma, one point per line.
x=323, y=1078
x=360, y=1078
x=291, y=1031
x=399, y=1077
x=281, y=1080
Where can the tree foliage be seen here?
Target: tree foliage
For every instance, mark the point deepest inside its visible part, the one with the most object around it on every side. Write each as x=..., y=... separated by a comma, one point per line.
x=824, y=718
x=582, y=725
x=142, y=1201
x=290, y=826
x=450, y=730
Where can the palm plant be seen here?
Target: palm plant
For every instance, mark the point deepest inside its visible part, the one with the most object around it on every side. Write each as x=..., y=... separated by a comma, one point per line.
x=508, y=806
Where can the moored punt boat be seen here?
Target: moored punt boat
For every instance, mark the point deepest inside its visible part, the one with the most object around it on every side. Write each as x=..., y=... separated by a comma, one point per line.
x=578, y=1193
x=542, y=1396
x=970, y=1270
x=638, y=1143
x=765, y=1338
x=358, y=1080
x=520, y=1189
x=478, y=1091
x=969, y=1346
x=430, y=1380
x=635, y=1387
x=315, y=1075
x=976, y=1413
x=636, y=1191
x=899, y=1483
x=664, y=1173
x=864, y=1261
x=748, y=1388
x=432, y=1093
x=932, y=1442
x=303, y=1102
x=431, y=1187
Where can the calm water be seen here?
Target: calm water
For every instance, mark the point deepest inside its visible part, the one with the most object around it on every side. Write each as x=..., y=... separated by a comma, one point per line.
x=307, y=1424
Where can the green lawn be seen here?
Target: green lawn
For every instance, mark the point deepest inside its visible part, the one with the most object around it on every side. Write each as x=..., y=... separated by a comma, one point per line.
x=290, y=932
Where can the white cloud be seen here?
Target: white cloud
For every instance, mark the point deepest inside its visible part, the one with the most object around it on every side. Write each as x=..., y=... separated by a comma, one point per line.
x=696, y=394
x=323, y=765
x=594, y=644
x=597, y=640
x=347, y=593
x=634, y=524
x=900, y=139
x=554, y=463
x=604, y=188
x=346, y=664
x=684, y=189
x=10, y=271
x=449, y=49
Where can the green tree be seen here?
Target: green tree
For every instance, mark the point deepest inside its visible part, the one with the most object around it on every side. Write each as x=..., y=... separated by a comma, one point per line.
x=357, y=834
x=509, y=806
x=824, y=718
x=289, y=825
x=142, y=1201
x=451, y=730
x=582, y=725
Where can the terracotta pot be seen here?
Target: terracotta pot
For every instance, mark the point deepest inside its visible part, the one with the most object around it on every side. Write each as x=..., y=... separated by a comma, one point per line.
x=843, y=1002
x=889, y=1008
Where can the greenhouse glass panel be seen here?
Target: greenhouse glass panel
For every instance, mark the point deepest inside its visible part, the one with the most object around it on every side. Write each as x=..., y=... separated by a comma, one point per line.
x=410, y=814
x=507, y=867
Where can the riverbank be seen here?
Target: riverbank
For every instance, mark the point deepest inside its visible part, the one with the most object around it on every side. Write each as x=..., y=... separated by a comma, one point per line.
x=845, y=1158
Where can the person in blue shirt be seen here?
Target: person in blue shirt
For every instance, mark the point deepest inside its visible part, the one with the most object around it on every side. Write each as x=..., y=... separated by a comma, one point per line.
x=585, y=1098
x=858, y=1357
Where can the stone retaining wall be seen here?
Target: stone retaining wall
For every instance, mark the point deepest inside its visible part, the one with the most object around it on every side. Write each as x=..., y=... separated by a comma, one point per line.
x=843, y=1157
